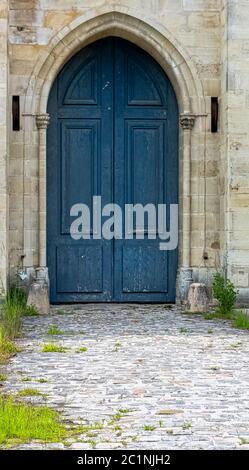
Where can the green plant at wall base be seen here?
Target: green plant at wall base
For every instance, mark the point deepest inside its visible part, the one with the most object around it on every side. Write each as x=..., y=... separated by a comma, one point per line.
x=30, y=311
x=225, y=293
x=16, y=295
x=11, y=319
x=13, y=308
x=7, y=347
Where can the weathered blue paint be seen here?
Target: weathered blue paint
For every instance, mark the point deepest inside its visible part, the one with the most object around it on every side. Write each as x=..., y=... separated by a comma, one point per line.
x=114, y=133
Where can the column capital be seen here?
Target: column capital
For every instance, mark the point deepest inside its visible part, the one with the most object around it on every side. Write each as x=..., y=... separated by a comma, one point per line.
x=42, y=120
x=187, y=121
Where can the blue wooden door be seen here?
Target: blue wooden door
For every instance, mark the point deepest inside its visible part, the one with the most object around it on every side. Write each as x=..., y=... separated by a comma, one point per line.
x=113, y=133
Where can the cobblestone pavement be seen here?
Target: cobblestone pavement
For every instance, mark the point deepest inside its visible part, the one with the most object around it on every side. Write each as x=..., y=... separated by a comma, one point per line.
x=182, y=382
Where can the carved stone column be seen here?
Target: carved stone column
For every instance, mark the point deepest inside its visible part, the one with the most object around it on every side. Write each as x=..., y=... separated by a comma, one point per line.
x=187, y=122
x=42, y=122
x=39, y=288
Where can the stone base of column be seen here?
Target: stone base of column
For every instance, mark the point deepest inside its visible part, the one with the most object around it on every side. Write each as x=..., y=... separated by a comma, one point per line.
x=197, y=298
x=38, y=295
x=184, y=281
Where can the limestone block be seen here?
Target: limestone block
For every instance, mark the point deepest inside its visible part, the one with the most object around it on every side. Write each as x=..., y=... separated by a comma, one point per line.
x=68, y=4
x=201, y=5
x=60, y=19
x=204, y=20
x=197, y=298
x=26, y=17
x=23, y=4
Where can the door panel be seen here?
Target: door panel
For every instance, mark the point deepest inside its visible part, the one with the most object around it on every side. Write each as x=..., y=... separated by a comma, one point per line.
x=80, y=166
x=113, y=133
x=144, y=160
x=80, y=269
x=142, y=272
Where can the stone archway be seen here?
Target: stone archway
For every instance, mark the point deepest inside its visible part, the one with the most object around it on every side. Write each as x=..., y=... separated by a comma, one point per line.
x=159, y=43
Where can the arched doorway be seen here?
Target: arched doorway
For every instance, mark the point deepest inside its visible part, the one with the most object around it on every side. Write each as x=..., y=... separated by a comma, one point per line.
x=113, y=133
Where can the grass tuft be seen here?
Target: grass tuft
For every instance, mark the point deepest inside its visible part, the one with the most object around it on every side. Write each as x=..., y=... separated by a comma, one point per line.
x=148, y=427
x=7, y=348
x=53, y=348
x=55, y=330
x=241, y=320
x=93, y=444
x=187, y=425
x=30, y=392
x=243, y=441
x=30, y=311
x=3, y=377
x=81, y=350
x=24, y=422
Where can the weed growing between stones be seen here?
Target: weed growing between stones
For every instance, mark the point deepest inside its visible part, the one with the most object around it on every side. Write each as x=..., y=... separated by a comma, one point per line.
x=243, y=441
x=30, y=392
x=82, y=350
x=124, y=410
x=184, y=330
x=3, y=377
x=148, y=427
x=241, y=320
x=93, y=444
x=187, y=425
x=115, y=418
x=235, y=345
x=53, y=348
x=117, y=346
x=217, y=315
x=55, y=330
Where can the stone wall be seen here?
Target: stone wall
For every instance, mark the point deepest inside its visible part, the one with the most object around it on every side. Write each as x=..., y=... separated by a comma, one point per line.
x=219, y=200
x=3, y=142
x=235, y=148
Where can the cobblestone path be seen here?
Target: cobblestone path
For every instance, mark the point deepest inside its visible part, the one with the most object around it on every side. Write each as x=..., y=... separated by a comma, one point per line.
x=180, y=381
